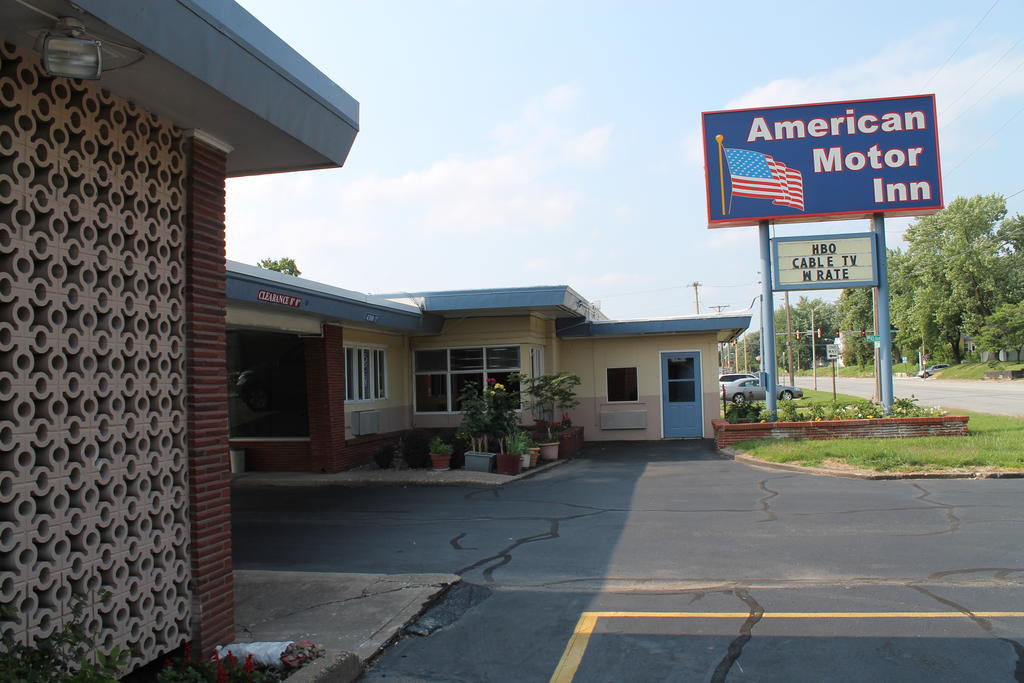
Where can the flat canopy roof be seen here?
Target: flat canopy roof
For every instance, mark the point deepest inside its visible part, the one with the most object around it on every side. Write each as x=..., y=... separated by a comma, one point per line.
x=550, y=301
x=210, y=65
x=276, y=293
x=727, y=327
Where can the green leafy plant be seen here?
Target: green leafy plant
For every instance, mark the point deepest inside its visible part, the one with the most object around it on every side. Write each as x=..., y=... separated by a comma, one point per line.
x=550, y=393
x=68, y=655
x=438, y=446
x=748, y=410
x=789, y=412
x=519, y=442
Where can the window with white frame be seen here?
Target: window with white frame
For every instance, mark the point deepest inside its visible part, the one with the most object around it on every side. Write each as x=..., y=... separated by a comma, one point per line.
x=366, y=373
x=440, y=375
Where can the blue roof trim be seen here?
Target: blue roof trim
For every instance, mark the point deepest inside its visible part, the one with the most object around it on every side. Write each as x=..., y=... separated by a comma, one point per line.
x=245, y=282
x=550, y=296
x=602, y=328
x=221, y=45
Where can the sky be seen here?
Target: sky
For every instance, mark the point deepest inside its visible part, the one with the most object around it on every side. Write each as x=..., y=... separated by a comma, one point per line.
x=525, y=143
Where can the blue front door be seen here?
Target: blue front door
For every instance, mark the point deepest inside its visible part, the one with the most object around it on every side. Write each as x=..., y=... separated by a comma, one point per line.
x=681, y=411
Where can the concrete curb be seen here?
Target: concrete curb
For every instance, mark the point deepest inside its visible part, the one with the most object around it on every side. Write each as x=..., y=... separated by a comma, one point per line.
x=744, y=457
x=337, y=667
x=374, y=477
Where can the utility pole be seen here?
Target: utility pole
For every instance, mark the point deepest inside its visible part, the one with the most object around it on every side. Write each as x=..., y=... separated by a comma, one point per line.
x=814, y=350
x=789, y=341
x=696, y=295
x=745, y=353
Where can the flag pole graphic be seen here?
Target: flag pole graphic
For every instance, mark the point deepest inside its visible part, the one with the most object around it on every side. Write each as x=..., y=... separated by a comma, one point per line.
x=721, y=171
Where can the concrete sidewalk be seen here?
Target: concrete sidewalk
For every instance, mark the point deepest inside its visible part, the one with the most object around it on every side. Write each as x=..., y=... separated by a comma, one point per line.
x=368, y=476
x=352, y=616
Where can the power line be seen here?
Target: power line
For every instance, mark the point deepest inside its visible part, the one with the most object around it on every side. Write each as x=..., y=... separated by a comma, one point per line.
x=936, y=73
x=980, y=78
x=960, y=115
x=998, y=130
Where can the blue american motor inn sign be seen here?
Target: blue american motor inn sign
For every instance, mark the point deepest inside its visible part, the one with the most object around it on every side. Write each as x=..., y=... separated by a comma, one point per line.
x=830, y=161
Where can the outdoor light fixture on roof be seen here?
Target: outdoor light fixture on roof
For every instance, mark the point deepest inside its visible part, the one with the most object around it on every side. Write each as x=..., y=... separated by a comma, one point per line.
x=67, y=53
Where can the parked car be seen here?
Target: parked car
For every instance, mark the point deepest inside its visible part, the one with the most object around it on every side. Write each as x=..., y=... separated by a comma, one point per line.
x=750, y=389
x=733, y=376
x=931, y=370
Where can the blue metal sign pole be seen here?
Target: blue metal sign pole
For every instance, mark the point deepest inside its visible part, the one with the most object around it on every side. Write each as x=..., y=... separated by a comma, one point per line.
x=767, y=319
x=884, y=325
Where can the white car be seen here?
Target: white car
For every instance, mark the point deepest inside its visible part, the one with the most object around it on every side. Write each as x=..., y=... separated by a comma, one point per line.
x=732, y=377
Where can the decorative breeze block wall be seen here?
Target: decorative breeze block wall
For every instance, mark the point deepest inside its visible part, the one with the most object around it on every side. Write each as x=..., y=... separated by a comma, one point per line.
x=93, y=496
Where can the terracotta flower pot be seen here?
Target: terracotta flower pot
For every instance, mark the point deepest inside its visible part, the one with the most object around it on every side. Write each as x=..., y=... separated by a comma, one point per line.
x=549, y=451
x=508, y=463
x=534, y=456
x=440, y=463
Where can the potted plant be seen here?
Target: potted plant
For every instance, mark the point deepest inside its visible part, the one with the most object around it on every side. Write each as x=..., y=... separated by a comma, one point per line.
x=548, y=393
x=475, y=429
x=440, y=454
x=519, y=443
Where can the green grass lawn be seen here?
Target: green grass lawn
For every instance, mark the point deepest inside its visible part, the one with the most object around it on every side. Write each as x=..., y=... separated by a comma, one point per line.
x=976, y=370
x=995, y=442
x=855, y=371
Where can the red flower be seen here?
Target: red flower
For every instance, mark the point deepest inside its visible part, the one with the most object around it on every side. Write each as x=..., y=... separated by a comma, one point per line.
x=491, y=380
x=250, y=664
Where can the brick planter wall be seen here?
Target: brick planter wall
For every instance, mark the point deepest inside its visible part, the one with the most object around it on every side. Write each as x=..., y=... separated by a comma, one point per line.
x=275, y=455
x=882, y=428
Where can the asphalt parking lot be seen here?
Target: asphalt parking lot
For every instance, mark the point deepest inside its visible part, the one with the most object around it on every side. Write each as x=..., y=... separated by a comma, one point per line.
x=664, y=561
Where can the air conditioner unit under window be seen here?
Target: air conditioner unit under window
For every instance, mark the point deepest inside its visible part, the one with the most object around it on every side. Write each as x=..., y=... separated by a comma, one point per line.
x=365, y=422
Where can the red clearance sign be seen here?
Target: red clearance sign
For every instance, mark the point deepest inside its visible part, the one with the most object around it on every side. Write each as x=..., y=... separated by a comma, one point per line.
x=278, y=298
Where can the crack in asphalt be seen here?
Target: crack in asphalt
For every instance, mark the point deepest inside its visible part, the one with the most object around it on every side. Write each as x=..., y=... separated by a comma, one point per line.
x=732, y=655
x=458, y=546
x=997, y=572
x=951, y=517
x=985, y=625
x=763, y=502
x=504, y=556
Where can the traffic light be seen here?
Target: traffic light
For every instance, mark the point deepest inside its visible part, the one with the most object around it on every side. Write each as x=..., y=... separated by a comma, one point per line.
x=798, y=335
x=863, y=332
x=819, y=333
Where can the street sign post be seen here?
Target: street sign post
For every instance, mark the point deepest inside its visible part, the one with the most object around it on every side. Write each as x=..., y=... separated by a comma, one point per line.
x=832, y=351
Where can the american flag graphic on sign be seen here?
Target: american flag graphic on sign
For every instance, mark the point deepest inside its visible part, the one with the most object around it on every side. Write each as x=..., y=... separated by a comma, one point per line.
x=758, y=175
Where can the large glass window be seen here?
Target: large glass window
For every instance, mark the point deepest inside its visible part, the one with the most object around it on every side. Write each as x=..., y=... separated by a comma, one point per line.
x=622, y=384
x=266, y=385
x=366, y=377
x=442, y=374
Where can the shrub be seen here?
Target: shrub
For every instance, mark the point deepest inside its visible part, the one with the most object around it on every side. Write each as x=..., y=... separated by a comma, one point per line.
x=788, y=412
x=734, y=412
x=385, y=456
x=437, y=446
x=69, y=655
x=416, y=450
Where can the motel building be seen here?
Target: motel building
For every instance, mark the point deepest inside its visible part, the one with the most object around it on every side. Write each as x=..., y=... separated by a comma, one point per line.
x=125, y=334
x=319, y=378
x=114, y=457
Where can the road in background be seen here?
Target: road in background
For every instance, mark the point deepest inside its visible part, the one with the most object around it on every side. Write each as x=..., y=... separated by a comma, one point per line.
x=998, y=398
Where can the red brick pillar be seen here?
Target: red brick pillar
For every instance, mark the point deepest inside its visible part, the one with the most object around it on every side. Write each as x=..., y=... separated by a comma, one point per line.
x=325, y=394
x=209, y=472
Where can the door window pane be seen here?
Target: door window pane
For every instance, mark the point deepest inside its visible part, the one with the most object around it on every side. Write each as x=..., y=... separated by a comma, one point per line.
x=622, y=384
x=681, y=392
x=432, y=393
x=680, y=368
x=432, y=361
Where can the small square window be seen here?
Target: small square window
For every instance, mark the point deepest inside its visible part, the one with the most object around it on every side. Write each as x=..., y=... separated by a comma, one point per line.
x=622, y=384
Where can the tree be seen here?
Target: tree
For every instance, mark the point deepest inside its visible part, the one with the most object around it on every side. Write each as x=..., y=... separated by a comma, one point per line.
x=961, y=264
x=282, y=265
x=1004, y=329
x=856, y=312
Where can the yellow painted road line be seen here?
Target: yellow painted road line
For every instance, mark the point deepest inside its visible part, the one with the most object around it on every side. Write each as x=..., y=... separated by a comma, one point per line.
x=801, y=615
x=573, y=654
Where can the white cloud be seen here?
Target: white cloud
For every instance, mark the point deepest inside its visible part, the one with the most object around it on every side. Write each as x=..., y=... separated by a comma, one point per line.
x=906, y=67
x=513, y=189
